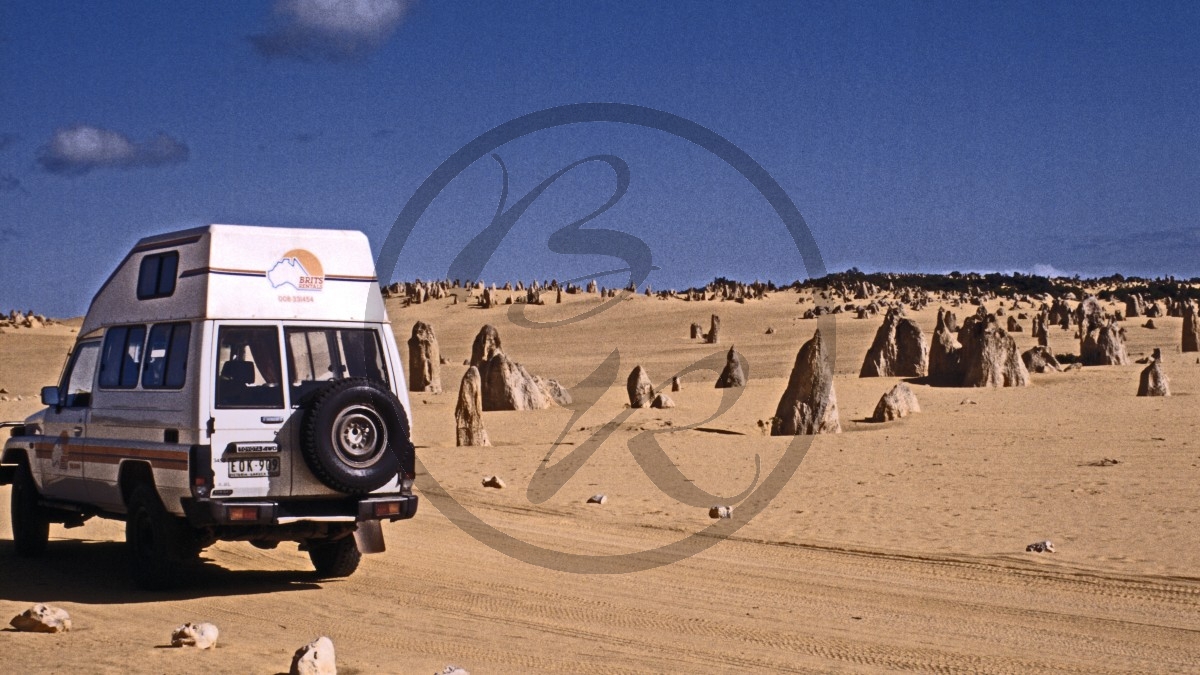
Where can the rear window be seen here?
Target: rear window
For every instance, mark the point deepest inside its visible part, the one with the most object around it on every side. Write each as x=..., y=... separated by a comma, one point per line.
x=319, y=355
x=156, y=277
x=122, y=357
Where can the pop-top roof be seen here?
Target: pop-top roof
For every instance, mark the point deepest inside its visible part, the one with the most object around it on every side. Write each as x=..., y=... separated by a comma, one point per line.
x=242, y=272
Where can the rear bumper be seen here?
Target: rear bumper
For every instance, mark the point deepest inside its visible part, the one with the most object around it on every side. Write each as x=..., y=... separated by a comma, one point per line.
x=215, y=512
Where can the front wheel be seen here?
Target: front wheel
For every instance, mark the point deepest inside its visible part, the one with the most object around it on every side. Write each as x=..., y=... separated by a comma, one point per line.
x=159, y=543
x=335, y=558
x=30, y=520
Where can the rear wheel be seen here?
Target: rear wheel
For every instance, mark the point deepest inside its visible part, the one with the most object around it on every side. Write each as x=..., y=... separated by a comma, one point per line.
x=160, y=544
x=335, y=559
x=30, y=520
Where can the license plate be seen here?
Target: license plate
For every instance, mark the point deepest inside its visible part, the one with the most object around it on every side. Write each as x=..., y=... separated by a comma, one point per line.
x=253, y=468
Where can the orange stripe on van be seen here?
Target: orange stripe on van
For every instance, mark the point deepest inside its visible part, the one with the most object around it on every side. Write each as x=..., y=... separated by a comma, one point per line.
x=163, y=459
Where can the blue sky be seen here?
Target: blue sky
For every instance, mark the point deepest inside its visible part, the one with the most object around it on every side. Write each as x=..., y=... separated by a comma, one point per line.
x=915, y=136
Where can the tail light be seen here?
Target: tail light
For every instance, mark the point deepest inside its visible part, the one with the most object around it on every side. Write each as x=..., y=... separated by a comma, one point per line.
x=200, y=470
x=241, y=514
x=385, y=509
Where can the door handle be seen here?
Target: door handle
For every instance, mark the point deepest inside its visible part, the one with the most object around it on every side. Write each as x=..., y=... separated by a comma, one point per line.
x=78, y=431
x=271, y=420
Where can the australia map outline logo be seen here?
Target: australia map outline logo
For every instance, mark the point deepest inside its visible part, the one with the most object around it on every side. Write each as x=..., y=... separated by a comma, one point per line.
x=298, y=268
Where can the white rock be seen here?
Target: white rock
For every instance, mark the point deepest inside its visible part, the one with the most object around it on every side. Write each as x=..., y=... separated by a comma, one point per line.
x=1040, y=547
x=453, y=670
x=720, y=512
x=494, y=482
x=315, y=658
x=598, y=499
x=662, y=401
x=42, y=619
x=198, y=635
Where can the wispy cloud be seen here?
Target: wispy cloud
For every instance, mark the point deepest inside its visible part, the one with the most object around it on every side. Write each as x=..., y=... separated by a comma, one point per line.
x=81, y=148
x=330, y=30
x=1050, y=271
x=10, y=183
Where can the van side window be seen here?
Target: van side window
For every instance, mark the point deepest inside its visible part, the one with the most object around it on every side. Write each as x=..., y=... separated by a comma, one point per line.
x=166, y=356
x=156, y=276
x=81, y=375
x=122, y=357
x=319, y=355
x=248, y=368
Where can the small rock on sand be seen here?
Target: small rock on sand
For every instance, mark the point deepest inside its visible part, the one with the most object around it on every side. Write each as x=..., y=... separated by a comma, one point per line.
x=1040, y=547
x=42, y=619
x=494, y=482
x=453, y=670
x=315, y=658
x=899, y=401
x=661, y=401
x=198, y=635
x=598, y=499
x=720, y=512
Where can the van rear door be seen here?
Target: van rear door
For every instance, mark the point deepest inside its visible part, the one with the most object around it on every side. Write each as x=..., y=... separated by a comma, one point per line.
x=248, y=412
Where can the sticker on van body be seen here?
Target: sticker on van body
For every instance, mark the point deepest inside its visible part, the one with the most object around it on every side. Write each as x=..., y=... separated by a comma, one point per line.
x=299, y=269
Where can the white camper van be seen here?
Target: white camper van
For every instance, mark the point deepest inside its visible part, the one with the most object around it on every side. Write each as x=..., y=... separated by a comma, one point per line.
x=229, y=383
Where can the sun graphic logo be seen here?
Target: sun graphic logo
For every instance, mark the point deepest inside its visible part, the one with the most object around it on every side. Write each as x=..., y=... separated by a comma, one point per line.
x=299, y=269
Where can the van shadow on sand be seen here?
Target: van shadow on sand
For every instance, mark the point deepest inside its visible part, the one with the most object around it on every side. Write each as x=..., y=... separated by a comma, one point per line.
x=97, y=572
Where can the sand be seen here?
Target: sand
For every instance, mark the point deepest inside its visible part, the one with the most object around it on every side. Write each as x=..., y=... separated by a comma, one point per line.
x=897, y=546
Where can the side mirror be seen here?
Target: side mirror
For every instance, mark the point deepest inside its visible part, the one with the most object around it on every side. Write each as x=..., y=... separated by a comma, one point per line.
x=50, y=396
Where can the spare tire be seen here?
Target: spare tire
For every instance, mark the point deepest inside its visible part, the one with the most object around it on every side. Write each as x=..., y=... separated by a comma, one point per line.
x=355, y=437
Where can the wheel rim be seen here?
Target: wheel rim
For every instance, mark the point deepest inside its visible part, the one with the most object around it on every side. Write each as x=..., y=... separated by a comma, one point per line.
x=359, y=436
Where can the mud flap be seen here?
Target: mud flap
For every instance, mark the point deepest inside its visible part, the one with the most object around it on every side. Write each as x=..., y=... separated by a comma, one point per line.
x=369, y=537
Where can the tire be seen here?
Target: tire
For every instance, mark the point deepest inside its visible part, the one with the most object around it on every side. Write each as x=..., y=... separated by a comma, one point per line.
x=355, y=436
x=335, y=559
x=160, y=545
x=30, y=520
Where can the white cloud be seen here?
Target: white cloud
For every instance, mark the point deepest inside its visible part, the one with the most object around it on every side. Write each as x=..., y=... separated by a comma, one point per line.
x=334, y=30
x=1050, y=271
x=81, y=148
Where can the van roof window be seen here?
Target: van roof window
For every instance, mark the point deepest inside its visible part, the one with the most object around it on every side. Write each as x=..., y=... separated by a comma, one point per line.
x=156, y=277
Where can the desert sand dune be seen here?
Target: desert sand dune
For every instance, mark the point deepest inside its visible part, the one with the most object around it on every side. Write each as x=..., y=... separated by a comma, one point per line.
x=895, y=546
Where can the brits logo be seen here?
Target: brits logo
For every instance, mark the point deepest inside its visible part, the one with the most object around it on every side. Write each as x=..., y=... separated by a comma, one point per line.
x=299, y=269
